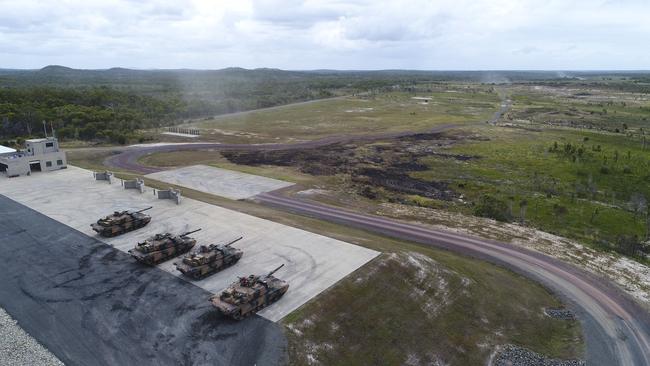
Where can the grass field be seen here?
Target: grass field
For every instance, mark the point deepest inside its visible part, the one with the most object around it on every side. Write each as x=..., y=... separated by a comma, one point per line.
x=386, y=112
x=590, y=197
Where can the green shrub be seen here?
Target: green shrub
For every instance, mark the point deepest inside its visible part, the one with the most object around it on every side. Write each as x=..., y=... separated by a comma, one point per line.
x=492, y=207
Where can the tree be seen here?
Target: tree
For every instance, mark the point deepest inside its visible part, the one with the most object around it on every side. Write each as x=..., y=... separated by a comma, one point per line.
x=595, y=213
x=638, y=203
x=492, y=207
x=523, y=205
x=560, y=212
x=628, y=244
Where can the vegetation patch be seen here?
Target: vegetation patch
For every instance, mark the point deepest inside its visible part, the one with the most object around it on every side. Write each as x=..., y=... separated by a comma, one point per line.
x=423, y=308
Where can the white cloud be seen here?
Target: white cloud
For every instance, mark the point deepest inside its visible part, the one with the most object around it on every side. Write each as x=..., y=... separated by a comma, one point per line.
x=360, y=34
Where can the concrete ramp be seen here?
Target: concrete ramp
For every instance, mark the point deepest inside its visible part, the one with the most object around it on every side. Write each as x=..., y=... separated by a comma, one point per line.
x=220, y=182
x=313, y=262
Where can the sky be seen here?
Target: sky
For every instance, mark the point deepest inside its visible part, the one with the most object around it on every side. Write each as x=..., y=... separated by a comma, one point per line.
x=307, y=35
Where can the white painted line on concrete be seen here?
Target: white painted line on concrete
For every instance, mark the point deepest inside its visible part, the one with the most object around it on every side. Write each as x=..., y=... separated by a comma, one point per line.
x=219, y=182
x=179, y=134
x=313, y=262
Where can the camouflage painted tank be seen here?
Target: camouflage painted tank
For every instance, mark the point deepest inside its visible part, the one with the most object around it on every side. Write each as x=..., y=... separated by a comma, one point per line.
x=250, y=294
x=162, y=247
x=121, y=222
x=209, y=259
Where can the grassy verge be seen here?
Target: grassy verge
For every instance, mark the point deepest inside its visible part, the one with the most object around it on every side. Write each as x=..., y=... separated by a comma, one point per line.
x=427, y=307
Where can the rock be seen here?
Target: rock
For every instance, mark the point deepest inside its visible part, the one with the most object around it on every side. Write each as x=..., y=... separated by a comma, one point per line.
x=511, y=355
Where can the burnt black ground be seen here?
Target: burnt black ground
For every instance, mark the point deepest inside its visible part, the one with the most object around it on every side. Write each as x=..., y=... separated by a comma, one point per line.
x=91, y=304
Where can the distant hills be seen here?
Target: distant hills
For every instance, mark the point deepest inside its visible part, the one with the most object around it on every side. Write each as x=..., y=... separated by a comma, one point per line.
x=54, y=74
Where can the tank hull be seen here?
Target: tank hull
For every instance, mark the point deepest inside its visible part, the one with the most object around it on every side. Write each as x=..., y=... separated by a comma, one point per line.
x=119, y=229
x=248, y=308
x=208, y=269
x=159, y=256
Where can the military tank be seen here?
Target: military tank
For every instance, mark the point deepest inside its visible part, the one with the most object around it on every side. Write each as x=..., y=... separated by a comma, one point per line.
x=249, y=294
x=162, y=247
x=121, y=222
x=209, y=259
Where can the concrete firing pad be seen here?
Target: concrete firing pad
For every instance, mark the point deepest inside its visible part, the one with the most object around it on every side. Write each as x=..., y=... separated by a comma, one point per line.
x=312, y=262
x=220, y=182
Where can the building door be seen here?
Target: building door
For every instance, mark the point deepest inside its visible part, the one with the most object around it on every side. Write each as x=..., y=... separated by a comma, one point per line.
x=35, y=166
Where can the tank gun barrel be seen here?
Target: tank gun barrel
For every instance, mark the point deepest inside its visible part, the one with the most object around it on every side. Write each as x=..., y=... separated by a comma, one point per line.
x=190, y=232
x=275, y=270
x=234, y=241
x=145, y=209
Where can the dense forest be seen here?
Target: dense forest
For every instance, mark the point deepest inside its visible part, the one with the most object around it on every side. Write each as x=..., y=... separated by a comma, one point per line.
x=98, y=113
x=115, y=105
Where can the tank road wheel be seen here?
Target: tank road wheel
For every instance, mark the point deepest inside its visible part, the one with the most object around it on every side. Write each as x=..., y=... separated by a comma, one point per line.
x=237, y=315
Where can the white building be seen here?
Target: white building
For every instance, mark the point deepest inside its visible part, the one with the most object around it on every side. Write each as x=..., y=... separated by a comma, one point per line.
x=40, y=155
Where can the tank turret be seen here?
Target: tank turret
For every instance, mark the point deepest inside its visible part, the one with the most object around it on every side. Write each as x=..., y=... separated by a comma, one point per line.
x=209, y=259
x=162, y=247
x=249, y=294
x=121, y=222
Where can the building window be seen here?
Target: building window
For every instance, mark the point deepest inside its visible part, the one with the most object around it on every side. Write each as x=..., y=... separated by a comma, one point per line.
x=49, y=144
x=59, y=162
x=48, y=164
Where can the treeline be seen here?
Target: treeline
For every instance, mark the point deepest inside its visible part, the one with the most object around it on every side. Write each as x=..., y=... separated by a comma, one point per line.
x=115, y=105
x=98, y=113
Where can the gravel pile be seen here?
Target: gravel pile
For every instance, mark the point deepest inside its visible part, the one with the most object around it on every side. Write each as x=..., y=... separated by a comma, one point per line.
x=560, y=313
x=17, y=348
x=511, y=355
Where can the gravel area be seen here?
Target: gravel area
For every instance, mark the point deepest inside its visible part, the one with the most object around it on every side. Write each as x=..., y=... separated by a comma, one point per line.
x=19, y=348
x=560, y=313
x=511, y=355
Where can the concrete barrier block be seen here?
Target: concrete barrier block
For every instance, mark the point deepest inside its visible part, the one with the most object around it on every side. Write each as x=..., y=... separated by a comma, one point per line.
x=134, y=184
x=171, y=193
x=105, y=175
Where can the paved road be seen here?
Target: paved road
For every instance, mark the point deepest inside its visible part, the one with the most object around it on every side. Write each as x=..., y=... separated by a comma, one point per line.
x=128, y=159
x=617, y=330
x=91, y=304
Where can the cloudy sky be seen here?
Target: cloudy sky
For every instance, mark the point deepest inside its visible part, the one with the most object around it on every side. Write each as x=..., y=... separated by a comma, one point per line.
x=355, y=34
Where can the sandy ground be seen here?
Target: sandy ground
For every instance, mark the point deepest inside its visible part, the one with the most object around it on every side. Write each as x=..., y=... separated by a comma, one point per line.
x=219, y=182
x=312, y=262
